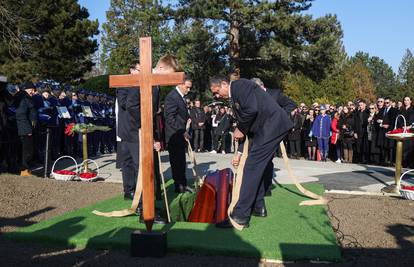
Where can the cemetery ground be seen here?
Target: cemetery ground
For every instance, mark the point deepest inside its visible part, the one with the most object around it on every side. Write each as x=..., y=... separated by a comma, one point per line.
x=371, y=230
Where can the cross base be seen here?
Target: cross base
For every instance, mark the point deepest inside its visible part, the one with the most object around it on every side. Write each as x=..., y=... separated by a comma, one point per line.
x=148, y=244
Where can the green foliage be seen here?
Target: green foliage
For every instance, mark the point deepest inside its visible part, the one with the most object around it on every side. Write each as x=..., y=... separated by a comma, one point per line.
x=98, y=84
x=383, y=76
x=351, y=82
x=406, y=75
x=261, y=38
x=127, y=21
x=56, y=41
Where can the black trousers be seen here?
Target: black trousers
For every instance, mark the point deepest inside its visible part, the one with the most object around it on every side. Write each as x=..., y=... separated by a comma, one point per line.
x=294, y=146
x=252, y=189
x=27, y=151
x=198, y=139
x=129, y=158
x=176, y=149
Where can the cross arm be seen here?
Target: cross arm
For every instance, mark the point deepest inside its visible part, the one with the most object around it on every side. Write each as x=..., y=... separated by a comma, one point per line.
x=129, y=80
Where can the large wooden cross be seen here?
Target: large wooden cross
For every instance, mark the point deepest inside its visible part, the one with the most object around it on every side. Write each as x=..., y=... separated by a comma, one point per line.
x=144, y=81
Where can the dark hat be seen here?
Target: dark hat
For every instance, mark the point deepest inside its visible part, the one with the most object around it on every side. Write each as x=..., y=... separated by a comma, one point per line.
x=27, y=85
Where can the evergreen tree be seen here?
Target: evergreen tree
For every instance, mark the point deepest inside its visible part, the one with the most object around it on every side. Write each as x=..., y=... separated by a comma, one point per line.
x=384, y=78
x=360, y=80
x=56, y=37
x=127, y=21
x=406, y=75
x=266, y=38
x=196, y=49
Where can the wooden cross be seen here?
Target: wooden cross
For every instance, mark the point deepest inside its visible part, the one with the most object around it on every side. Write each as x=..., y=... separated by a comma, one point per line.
x=145, y=80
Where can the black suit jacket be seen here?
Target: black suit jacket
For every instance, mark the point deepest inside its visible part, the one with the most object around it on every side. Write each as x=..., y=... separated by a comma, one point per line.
x=129, y=113
x=361, y=122
x=284, y=102
x=176, y=114
x=258, y=115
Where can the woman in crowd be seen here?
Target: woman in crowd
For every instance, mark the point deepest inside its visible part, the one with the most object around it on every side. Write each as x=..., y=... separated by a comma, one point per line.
x=373, y=132
x=336, y=144
x=310, y=141
x=347, y=134
x=321, y=129
x=408, y=112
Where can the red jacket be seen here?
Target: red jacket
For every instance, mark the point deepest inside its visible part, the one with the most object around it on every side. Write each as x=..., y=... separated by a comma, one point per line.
x=335, y=131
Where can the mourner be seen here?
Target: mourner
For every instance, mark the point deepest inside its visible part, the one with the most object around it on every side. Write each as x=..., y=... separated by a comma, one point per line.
x=265, y=123
x=176, y=132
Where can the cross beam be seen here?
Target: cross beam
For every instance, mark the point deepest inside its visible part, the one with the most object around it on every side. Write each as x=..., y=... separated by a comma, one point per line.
x=145, y=80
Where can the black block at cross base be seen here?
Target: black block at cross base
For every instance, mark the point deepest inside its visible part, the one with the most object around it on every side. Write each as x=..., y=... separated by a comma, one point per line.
x=148, y=244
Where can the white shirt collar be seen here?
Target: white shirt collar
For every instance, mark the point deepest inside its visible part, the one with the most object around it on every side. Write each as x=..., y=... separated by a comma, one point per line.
x=179, y=91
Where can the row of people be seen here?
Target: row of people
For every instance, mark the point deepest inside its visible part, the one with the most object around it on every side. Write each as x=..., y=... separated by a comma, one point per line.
x=30, y=111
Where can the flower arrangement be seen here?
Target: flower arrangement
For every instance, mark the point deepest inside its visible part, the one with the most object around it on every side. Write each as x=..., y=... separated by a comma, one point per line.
x=399, y=131
x=73, y=128
x=408, y=187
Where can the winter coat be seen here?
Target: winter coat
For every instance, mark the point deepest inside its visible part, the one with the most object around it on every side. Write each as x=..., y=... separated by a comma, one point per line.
x=322, y=127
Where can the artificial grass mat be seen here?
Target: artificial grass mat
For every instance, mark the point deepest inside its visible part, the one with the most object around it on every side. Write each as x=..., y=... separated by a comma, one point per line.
x=289, y=233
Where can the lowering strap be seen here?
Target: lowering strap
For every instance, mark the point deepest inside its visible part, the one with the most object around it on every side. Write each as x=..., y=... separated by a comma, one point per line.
x=238, y=179
x=137, y=195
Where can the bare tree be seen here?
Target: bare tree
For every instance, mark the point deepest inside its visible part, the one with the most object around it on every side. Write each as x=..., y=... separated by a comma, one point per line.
x=8, y=32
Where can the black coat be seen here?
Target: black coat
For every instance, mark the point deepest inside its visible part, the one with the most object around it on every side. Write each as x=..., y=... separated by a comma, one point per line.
x=176, y=114
x=26, y=114
x=257, y=115
x=224, y=124
x=197, y=116
x=284, y=102
x=388, y=118
x=295, y=133
x=129, y=113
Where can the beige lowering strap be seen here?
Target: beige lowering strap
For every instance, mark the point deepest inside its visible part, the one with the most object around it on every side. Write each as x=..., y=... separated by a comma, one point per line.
x=167, y=207
x=191, y=154
x=318, y=200
x=238, y=179
x=137, y=195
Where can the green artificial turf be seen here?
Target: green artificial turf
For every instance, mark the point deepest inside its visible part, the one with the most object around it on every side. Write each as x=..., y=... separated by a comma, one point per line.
x=290, y=232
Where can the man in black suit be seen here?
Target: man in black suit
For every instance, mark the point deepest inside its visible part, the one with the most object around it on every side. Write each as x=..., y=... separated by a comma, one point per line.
x=288, y=105
x=265, y=123
x=198, y=120
x=26, y=119
x=386, y=121
x=176, y=118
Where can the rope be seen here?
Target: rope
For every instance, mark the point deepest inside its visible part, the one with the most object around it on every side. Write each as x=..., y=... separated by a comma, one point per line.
x=238, y=179
x=137, y=195
x=167, y=207
x=199, y=180
x=318, y=200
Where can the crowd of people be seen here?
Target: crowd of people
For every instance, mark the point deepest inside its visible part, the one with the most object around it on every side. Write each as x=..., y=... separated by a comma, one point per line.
x=350, y=133
x=29, y=112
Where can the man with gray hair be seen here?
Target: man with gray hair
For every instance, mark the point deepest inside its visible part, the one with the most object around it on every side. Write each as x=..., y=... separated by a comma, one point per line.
x=286, y=104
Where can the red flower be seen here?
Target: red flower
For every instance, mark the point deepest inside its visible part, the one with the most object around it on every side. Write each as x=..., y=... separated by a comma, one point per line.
x=65, y=172
x=408, y=187
x=69, y=129
x=399, y=130
x=88, y=175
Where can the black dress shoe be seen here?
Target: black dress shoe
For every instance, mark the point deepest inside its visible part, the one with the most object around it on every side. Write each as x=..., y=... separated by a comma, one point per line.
x=227, y=223
x=129, y=196
x=157, y=219
x=260, y=212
